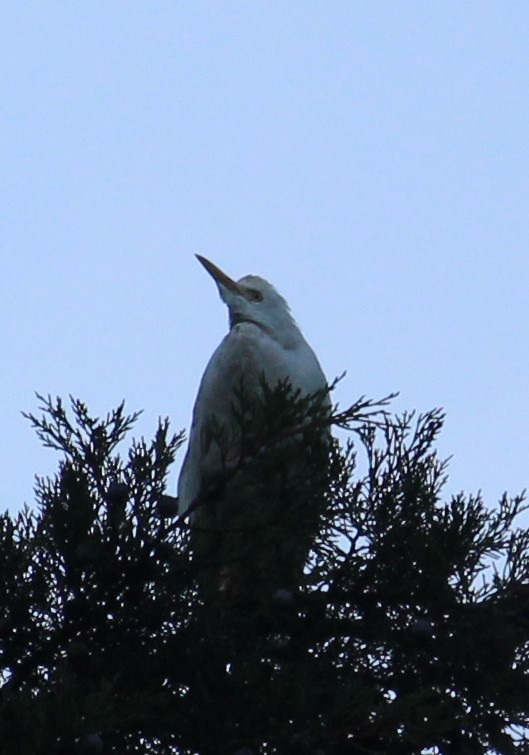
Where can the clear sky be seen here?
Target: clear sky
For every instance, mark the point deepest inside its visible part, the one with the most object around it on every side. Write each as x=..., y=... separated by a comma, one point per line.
x=371, y=159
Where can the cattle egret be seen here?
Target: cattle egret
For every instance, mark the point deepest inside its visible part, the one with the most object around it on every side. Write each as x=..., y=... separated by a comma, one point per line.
x=263, y=343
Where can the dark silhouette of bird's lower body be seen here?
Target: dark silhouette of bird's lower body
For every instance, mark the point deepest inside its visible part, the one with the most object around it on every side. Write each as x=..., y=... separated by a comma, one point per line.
x=252, y=536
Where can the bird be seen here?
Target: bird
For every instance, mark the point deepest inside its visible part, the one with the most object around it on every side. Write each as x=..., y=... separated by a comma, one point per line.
x=242, y=544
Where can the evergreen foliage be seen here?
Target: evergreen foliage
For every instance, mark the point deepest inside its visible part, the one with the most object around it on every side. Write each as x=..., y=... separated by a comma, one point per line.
x=408, y=632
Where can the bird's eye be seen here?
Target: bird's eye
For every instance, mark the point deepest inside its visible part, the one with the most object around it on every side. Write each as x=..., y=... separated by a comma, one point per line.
x=254, y=295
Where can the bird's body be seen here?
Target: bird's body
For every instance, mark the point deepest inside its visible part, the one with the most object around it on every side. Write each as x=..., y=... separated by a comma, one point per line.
x=248, y=353
x=263, y=344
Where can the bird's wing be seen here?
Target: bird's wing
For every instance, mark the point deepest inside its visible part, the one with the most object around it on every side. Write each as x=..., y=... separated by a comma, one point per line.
x=247, y=352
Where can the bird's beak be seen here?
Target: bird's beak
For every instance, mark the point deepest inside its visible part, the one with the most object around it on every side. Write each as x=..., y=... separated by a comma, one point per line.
x=220, y=277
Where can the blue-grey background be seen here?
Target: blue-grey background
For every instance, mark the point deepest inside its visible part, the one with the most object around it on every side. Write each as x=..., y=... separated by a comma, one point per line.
x=371, y=159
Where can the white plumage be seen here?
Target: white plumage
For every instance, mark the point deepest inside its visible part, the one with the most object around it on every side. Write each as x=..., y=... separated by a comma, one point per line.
x=248, y=538
x=263, y=340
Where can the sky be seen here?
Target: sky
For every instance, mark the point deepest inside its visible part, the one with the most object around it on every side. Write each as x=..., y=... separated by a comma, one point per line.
x=370, y=159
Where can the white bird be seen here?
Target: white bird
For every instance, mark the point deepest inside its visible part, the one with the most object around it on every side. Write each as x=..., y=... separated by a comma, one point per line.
x=264, y=342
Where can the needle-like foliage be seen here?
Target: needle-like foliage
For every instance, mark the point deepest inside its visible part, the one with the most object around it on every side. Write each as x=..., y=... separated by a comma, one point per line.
x=407, y=631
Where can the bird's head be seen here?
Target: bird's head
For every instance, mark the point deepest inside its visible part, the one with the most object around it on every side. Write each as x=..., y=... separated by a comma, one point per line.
x=253, y=299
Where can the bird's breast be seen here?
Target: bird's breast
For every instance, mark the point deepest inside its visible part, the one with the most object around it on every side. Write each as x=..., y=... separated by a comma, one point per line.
x=246, y=356
x=251, y=353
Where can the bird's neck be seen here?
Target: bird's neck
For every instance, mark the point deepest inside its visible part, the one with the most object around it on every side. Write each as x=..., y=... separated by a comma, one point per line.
x=289, y=339
x=236, y=318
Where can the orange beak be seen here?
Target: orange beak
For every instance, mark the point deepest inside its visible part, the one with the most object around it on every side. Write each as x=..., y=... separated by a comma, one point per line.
x=218, y=276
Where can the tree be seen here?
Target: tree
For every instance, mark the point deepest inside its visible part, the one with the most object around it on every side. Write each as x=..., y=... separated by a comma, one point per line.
x=407, y=634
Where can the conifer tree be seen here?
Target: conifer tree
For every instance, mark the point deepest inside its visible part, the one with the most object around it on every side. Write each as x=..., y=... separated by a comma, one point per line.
x=408, y=632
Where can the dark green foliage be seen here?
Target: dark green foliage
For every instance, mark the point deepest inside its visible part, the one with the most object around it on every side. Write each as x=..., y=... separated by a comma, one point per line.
x=255, y=524
x=407, y=633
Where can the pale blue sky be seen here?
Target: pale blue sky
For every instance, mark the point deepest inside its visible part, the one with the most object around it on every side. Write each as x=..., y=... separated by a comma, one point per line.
x=371, y=159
